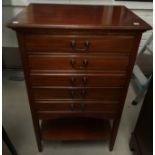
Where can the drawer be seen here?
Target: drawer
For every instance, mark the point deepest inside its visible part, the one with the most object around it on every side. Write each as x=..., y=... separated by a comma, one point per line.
x=79, y=62
x=43, y=115
x=78, y=80
x=106, y=94
x=77, y=106
x=49, y=43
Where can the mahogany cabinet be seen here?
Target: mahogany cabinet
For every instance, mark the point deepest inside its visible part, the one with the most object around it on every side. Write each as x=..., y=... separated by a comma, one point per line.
x=77, y=63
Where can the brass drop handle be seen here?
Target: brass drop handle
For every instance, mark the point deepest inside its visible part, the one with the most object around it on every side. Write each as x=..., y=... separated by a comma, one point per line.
x=73, y=62
x=87, y=44
x=72, y=93
x=84, y=80
x=72, y=80
x=73, y=44
x=85, y=62
x=83, y=93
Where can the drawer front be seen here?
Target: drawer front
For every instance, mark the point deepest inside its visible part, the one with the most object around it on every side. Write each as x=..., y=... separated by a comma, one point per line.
x=106, y=94
x=49, y=43
x=78, y=80
x=75, y=106
x=94, y=114
x=78, y=62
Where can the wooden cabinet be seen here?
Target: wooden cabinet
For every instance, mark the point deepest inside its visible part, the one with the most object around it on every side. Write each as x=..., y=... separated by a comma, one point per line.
x=77, y=63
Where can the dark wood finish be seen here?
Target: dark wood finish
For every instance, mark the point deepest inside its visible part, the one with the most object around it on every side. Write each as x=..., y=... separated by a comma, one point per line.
x=142, y=136
x=77, y=62
x=116, y=121
x=81, y=79
x=70, y=105
x=47, y=43
x=46, y=115
x=106, y=94
x=28, y=86
x=64, y=62
x=78, y=17
x=76, y=129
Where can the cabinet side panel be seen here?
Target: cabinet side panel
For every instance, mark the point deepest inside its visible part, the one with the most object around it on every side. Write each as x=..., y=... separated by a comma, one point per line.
x=125, y=89
x=20, y=36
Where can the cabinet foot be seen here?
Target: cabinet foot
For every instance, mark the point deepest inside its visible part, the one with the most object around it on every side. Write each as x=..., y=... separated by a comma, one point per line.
x=114, y=133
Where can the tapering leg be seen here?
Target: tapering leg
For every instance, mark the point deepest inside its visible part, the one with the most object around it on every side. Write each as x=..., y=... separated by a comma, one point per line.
x=37, y=134
x=114, y=133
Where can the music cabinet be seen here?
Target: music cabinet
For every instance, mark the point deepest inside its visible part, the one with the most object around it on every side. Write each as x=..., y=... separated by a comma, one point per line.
x=77, y=62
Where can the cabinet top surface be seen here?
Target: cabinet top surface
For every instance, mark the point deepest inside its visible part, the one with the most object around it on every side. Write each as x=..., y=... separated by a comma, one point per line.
x=78, y=17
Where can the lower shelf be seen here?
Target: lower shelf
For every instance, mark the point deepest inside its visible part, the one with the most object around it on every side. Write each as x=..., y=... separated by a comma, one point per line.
x=75, y=129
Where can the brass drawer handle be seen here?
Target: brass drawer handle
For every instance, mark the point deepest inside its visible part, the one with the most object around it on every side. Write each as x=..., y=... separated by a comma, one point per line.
x=73, y=62
x=83, y=93
x=85, y=62
x=72, y=93
x=86, y=46
x=72, y=80
x=73, y=44
x=84, y=80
